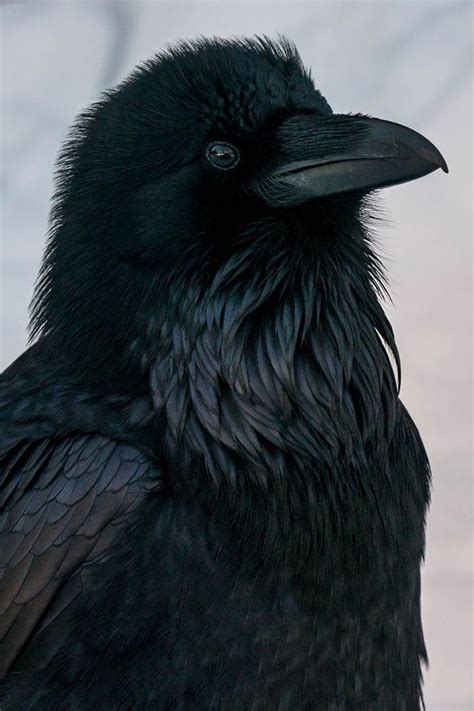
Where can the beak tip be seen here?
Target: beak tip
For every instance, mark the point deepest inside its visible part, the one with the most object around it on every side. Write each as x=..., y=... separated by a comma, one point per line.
x=440, y=162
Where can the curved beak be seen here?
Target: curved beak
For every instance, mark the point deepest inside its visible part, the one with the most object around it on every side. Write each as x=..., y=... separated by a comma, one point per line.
x=340, y=153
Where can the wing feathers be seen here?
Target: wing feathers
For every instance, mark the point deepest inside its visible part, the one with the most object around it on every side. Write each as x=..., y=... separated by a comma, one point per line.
x=61, y=505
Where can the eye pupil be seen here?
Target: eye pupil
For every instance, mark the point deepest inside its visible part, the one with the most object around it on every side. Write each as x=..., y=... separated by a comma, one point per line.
x=222, y=155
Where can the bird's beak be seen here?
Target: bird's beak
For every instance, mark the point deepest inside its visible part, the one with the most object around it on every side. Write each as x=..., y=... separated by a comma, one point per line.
x=337, y=154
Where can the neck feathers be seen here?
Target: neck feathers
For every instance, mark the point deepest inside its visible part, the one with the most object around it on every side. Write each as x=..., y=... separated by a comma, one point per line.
x=280, y=365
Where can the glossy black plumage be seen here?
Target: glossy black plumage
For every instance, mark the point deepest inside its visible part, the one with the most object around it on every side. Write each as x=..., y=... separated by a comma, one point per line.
x=211, y=494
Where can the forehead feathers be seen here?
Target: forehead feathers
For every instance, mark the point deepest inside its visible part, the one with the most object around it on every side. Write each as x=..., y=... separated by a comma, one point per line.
x=231, y=83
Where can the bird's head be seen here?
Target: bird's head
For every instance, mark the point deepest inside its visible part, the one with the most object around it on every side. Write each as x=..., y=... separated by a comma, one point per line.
x=196, y=153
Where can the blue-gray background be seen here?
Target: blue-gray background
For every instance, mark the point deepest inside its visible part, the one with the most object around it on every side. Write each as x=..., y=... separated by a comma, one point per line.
x=407, y=61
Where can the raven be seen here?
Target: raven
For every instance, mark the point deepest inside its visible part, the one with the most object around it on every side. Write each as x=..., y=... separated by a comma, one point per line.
x=211, y=495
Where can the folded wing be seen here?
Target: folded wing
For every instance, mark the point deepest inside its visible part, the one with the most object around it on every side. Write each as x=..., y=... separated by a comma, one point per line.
x=62, y=503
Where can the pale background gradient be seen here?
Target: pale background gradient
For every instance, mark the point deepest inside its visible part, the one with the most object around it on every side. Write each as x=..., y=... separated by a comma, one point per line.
x=407, y=61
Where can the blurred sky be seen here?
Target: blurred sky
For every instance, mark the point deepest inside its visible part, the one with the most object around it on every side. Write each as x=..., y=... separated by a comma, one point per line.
x=406, y=61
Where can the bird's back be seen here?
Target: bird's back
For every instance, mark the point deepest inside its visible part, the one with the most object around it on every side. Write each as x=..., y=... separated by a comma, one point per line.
x=66, y=489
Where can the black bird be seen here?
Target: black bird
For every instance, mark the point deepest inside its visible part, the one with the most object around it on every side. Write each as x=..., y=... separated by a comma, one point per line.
x=211, y=494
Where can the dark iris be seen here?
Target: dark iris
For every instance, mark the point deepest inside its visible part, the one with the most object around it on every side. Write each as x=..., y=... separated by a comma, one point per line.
x=222, y=155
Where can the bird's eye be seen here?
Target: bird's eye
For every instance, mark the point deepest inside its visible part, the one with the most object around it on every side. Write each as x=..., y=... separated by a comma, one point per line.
x=222, y=155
